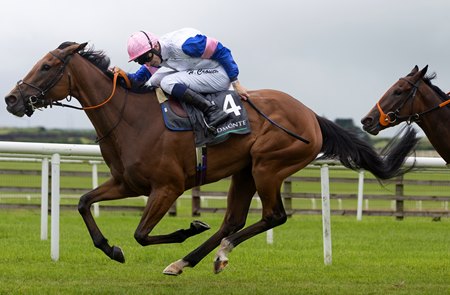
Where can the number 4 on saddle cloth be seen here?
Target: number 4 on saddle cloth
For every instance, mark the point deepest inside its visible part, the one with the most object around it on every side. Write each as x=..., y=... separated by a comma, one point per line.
x=179, y=116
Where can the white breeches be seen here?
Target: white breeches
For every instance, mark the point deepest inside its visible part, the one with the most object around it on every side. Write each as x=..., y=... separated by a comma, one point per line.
x=200, y=80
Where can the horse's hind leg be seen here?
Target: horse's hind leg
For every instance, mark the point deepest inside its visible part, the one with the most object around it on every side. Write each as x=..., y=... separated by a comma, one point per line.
x=273, y=214
x=240, y=195
x=110, y=190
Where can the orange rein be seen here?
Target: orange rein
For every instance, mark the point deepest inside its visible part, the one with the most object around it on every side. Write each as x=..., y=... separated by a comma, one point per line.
x=445, y=102
x=117, y=72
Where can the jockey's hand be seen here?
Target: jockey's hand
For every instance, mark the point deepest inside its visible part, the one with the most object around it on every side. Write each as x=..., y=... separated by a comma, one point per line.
x=240, y=89
x=114, y=69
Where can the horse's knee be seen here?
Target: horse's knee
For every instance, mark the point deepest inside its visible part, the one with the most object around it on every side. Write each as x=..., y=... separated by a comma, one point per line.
x=140, y=237
x=83, y=205
x=229, y=228
x=238, y=226
x=282, y=218
x=276, y=219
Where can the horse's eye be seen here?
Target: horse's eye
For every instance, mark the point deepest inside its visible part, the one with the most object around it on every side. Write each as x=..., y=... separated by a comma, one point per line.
x=46, y=67
x=397, y=92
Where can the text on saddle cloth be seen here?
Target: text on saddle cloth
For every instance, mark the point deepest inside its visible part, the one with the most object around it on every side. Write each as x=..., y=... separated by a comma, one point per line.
x=229, y=101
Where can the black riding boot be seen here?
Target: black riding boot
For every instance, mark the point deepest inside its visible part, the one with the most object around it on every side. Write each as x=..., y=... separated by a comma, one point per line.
x=214, y=116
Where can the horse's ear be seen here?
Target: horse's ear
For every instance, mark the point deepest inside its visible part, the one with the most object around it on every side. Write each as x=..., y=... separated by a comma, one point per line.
x=81, y=46
x=415, y=70
x=424, y=71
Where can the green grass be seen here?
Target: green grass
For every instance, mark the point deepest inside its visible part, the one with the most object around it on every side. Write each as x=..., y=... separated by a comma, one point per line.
x=375, y=256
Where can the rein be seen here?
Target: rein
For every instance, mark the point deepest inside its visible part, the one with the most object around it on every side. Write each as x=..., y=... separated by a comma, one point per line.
x=117, y=72
x=391, y=117
x=34, y=100
x=296, y=136
x=118, y=121
x=40, y=99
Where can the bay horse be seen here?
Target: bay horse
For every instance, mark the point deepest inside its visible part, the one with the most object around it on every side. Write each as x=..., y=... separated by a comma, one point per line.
x=145, y=158
x=414, y=98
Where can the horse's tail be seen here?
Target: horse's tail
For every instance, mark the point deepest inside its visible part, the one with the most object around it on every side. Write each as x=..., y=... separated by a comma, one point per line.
x=354, y=153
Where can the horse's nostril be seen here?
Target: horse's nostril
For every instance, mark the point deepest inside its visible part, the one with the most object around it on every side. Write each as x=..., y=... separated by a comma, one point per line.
x=366, y=120
x=11, y=100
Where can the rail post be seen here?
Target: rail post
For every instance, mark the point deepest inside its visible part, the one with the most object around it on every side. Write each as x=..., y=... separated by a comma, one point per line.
x=196, y=201
x=44, y=199
x=399, y=202
x=287, y=190
x=173, y=209
x=54, y=238
x=326, y=220
x=360, y=195
x=95, y=184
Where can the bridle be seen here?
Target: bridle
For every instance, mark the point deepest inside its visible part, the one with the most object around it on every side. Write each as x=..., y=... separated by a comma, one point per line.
x=33, y=101
x=392, y=117
x=36, y=102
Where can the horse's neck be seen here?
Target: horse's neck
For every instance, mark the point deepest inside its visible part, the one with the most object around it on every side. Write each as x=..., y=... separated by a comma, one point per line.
x=436, y=126
x=124, y=114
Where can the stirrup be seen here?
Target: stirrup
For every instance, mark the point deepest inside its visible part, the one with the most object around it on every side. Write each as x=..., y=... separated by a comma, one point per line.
x=210, y=128
x=220, y=118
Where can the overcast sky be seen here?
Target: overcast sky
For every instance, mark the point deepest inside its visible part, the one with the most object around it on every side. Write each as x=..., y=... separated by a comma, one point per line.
x=336, y=56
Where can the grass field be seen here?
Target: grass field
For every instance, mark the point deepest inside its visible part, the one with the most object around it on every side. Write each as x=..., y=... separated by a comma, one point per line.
x=378, y=255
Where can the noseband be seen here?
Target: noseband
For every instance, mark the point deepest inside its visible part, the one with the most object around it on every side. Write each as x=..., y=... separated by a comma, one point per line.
x=33, y=102
x=393, y=116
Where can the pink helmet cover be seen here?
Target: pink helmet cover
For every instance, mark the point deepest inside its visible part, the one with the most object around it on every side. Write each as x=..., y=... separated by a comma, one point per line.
x=139, y=43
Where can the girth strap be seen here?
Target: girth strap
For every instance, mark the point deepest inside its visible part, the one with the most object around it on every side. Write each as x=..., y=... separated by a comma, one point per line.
x=201, y=165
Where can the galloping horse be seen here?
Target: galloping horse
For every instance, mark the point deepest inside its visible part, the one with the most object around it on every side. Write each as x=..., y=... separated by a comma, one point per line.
x=414, y=99
x=147, y=159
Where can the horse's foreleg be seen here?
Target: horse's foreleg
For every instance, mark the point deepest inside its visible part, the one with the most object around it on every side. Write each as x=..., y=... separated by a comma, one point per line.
x=107, y=191
x=240, y=194
x=160, y=201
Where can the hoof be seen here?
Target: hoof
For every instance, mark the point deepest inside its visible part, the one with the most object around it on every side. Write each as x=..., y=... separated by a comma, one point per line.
x=172, y=271
x=117, y=255
x=219, y=265
x=175, y=268
x=199, y=226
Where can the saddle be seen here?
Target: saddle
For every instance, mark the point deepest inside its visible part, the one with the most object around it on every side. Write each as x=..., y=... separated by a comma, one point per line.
x=179, y=116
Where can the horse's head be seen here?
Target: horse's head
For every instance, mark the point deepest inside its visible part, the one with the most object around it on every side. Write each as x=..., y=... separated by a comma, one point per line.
x=47, y=81
x=390, y=110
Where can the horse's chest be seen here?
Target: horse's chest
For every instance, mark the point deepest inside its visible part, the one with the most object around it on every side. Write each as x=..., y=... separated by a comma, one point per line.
x=137, y=179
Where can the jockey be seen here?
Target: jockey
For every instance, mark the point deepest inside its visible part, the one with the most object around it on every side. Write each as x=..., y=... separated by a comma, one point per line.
x=184, y=64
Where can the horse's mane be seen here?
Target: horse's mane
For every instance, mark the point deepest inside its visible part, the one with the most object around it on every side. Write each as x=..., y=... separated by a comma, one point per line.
x=427, y=79
x=103, y=62
x=98, y=58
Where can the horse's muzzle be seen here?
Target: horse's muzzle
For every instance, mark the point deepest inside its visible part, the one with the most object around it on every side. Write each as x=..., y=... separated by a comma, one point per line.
x=370, y=125
x=15, y=106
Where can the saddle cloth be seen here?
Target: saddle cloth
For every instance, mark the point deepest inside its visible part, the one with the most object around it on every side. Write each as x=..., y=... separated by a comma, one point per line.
x=179, y=116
